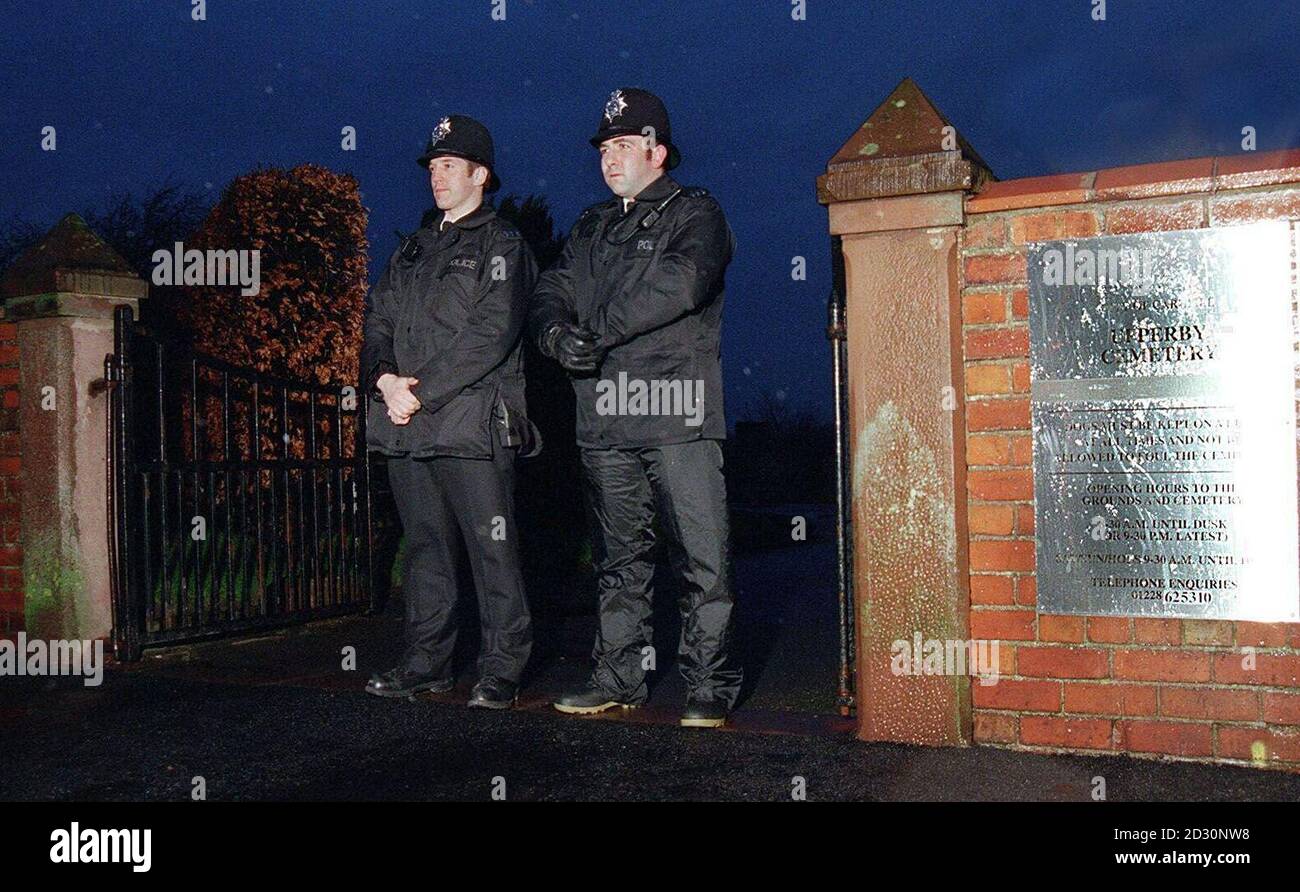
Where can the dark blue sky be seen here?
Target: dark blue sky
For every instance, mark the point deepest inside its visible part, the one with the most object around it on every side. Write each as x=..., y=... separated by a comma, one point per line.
x=139, y=94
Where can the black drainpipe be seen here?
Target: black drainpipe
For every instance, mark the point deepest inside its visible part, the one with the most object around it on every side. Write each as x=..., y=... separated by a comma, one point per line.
x=836, y=333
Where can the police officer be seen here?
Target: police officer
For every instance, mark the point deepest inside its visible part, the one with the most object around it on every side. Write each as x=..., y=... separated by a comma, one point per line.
x=632, y=310
x=442, y=355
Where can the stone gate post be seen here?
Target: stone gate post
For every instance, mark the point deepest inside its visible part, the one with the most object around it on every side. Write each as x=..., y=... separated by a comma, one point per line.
x=894, y=194
x=60, y=297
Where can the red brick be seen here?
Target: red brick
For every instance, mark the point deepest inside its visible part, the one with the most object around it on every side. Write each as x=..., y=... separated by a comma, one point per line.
x=991, y=520
x=1010, y=693
x=1022, y=450
x=10, y=399
x=1060, y=628
x=1207, y=632
x=994, y=269
x=1268, y=635
x=1221, y=704
x=11, y=466
x=1162, y=665
x=1255, y=208
x=1002, y=554
x=1025, y=520
x=8, y=331
x=1256, y=169
x=1062, y=662
x=1020, y=303
x=1005, y=414
x=11, y=556
x=1274, y=670
x=1044, y=226
x=1001, y=485
x=1045, y=730
x=983, y=307
x=995, y=727
x=1156, y=217
x=1173, y=738
x=1273, y=746
x=1026, y=591
x=1161, y=178
x=989, y=589
x=1108, y=629
x=1006, y=660
x=1020, y=377
x=987, y=449
x=8, y=377
x=997, y=343
x=1028, y=192
x=8, y=354
x=986, y=379
x=1110, y=699
x=1010, y=625
x=1280, y=708
x=1157, y=631
x=985, y=233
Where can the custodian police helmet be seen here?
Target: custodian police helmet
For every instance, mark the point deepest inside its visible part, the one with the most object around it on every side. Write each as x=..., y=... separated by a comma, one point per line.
x=630, y=110
x=466, y=138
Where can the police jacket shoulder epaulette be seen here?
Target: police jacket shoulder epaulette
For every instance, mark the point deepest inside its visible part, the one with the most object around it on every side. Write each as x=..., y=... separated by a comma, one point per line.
x=700, y=197
x=508, y=230
x=588, y=219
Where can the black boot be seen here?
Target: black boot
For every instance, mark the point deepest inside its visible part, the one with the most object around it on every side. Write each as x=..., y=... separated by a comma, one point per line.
x=494, y=693
x=401, y=682
x=590, y=700
x=701, y=713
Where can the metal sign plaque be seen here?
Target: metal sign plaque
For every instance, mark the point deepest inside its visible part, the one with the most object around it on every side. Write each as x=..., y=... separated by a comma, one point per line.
x=1163, y=391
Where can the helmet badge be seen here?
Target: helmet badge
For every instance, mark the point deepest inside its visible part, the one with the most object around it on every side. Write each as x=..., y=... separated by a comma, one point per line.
x=440, y=132
x=615, y=106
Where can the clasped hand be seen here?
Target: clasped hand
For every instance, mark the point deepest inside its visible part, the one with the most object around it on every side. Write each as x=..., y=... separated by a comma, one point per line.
x=578, y=349
x=398, y=398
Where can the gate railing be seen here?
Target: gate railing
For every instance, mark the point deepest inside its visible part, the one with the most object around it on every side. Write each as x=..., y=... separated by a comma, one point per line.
x=236, y=500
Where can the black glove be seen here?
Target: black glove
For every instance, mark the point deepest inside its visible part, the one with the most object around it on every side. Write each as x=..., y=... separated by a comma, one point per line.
x=575, y=348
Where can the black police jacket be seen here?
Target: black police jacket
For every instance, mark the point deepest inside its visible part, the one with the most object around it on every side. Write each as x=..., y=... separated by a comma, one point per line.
x=650, y=284
x=452, y=316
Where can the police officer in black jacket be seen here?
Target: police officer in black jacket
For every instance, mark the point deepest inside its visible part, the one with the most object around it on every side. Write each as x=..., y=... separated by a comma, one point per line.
x=632, y=309
x=443, y=357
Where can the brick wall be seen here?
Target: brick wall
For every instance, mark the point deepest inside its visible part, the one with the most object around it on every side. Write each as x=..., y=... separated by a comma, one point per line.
x=11, y=551
x=1144, y=686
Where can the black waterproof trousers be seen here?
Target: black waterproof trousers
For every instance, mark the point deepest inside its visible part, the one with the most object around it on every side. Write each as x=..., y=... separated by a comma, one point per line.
x=682, y=484
x=442, y=500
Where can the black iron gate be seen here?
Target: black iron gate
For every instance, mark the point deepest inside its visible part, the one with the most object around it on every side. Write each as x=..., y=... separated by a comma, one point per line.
x=237, y=500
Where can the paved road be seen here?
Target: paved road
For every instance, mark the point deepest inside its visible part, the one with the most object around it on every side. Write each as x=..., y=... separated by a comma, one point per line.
x=277, y=718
